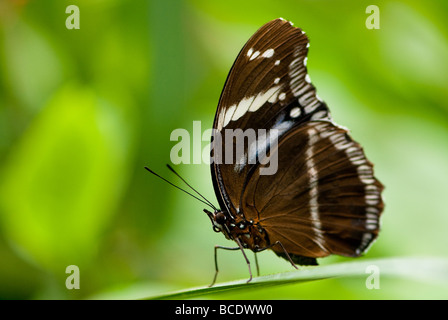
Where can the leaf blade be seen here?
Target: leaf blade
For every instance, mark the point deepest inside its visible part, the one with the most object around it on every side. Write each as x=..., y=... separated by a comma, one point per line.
x=417, y=268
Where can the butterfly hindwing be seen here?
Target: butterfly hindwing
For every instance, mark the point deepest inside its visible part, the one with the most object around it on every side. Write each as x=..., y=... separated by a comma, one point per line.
x=323, y=200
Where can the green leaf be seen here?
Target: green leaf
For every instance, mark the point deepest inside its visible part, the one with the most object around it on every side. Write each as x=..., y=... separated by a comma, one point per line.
x=420, y=269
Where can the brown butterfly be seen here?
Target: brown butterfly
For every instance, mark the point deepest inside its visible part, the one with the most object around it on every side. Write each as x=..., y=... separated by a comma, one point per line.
x=287, y=178
x=321, y=198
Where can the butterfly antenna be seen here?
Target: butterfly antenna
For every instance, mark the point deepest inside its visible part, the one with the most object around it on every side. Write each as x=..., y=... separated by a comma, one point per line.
x=207, y=203
x=210, y=204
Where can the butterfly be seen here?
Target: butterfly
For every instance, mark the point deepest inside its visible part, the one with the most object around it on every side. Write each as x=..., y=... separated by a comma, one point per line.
x=320, y=196
x=286, y=176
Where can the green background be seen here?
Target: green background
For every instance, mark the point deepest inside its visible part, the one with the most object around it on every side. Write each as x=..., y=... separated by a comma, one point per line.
x=83, y=111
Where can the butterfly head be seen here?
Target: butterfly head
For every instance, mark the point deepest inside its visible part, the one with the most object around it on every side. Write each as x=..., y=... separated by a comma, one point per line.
x=220, y=222
x=247, y=232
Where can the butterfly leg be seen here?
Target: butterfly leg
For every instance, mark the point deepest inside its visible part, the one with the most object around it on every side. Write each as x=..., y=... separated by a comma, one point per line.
x=240, y=246
x=286, y=253
x=245, y=257
x=278, y=243
x=216, y=261
x=256, y=263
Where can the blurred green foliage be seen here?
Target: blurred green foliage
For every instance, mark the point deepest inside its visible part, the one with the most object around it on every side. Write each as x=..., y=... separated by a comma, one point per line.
x=83, y=111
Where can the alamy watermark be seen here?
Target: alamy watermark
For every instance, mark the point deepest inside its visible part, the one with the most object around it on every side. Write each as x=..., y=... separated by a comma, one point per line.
x=230, y=146
x=373, y=280
x=373, y=20
x=72, y=21
x=72, y=281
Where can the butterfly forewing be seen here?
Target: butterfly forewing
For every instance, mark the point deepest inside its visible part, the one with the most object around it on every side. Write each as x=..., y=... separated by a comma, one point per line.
x=267, y=88
x=269, y=77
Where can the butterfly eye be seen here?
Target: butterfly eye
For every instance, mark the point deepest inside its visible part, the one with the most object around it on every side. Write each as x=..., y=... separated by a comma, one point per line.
x=220, y=218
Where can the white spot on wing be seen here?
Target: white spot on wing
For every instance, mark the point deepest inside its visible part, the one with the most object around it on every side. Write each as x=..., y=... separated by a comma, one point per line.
x=229, y=114
x=251, y=104
x=256, y=54
x=261, y=98
x=268, y=53
x=319, y=115
x=295, y=112
x=307, y=78
x=242, y=108
x=299, y=90
x=305, y=100
x=365, y=174
x=221, y=119
x=274, y=97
